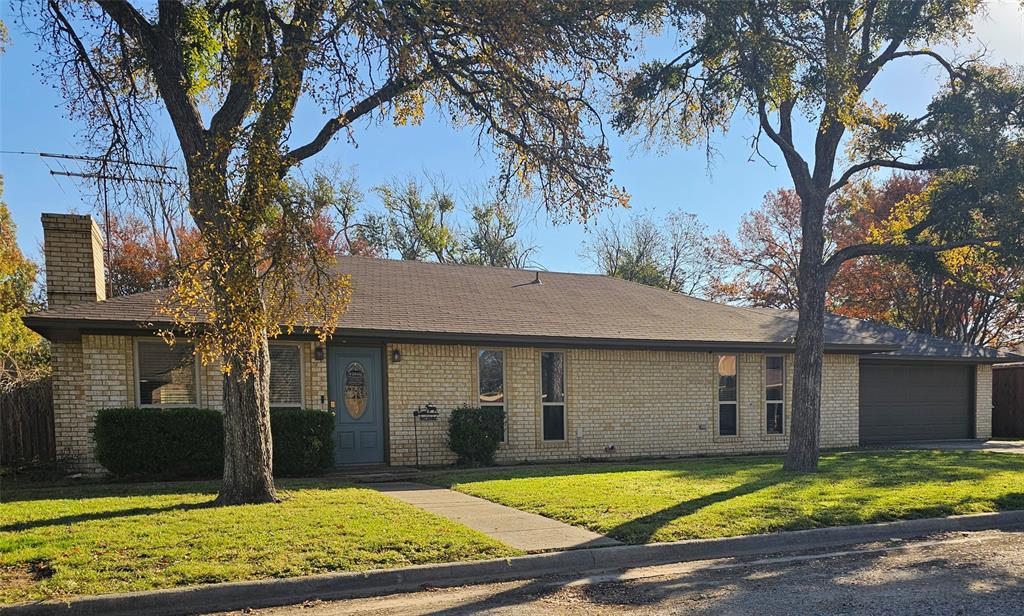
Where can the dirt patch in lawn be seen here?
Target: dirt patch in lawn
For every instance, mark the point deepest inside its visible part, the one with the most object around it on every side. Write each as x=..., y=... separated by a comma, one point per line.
x=23, y=576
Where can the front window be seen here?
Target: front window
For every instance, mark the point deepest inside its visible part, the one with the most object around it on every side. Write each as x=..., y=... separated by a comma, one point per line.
x=728, y=408
x=775, y=393
x=285, y=376
x=166, y=375
x=491, y=381
x=552, y=381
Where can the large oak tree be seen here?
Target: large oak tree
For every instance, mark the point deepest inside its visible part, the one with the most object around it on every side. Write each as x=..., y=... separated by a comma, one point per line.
x=795, y=64
x=962, y=295
x=230, y=77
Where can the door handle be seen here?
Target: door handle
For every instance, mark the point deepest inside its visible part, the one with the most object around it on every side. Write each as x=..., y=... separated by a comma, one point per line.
x=333, y=405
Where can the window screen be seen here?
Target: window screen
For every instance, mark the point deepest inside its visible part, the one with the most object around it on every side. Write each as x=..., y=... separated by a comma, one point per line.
x=167, y=375
x=285, y=375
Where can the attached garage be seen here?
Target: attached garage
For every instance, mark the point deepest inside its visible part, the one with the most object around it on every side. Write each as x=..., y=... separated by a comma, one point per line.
x=916, y=401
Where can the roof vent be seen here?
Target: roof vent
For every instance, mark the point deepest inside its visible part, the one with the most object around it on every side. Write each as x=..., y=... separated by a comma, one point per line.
x=536, y=279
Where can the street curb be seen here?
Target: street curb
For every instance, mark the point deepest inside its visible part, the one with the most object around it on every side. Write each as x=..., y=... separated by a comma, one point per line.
x=349, y=585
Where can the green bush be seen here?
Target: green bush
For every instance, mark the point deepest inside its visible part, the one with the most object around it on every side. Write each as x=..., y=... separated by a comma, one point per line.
x=181, y=443
x=303, y=441
x=166, y=443
x=474, y=434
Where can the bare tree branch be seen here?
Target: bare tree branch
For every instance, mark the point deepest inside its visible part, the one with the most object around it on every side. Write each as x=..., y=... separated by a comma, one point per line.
x=876, y=163
x=831, y=266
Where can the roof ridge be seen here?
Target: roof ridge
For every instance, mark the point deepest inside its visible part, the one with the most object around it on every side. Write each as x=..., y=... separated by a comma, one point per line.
x=417, y=262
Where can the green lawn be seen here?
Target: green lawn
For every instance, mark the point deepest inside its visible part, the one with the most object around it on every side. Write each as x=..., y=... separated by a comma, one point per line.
x=704, y=498
x=90, y=539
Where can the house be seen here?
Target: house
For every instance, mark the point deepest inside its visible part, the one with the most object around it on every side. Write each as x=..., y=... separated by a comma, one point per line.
x=585, y=366
x=1008, y=400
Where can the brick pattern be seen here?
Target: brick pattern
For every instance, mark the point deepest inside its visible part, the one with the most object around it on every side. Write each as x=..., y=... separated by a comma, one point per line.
x=73, y=249
x=983, y=402
x=434, y=374
x=71, y=422
x=619, y=404
x=98, y=372
x=315, y=374
x=108, y=371
x=840, y=401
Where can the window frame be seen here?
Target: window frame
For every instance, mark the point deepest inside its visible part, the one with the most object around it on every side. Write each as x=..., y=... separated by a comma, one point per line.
x=717, y=376
x=302, y=375
x=137, y=377
x=504, y=385
x=782, y=401
x=565, y=396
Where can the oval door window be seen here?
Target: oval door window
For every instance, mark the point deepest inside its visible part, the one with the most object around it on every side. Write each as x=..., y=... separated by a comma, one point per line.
x=355, y=390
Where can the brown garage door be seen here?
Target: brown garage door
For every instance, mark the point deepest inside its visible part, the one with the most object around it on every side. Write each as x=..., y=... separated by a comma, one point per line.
x=914, y=402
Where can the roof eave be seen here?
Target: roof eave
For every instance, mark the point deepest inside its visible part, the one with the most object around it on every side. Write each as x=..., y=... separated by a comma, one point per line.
x=957, y=359
x=47, y=326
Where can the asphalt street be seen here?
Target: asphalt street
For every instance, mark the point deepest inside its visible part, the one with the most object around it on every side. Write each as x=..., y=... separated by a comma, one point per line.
x=961, y=573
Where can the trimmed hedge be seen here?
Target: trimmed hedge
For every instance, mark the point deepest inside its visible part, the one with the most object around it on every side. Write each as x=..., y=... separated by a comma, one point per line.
x=303, y=441
x=189, y=443
x=474, y=434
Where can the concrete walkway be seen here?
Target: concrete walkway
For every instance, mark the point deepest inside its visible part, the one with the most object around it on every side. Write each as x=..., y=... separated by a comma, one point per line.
x=525, y=531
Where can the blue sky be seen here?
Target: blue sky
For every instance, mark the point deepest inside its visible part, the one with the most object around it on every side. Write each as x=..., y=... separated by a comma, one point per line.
x=33, y=117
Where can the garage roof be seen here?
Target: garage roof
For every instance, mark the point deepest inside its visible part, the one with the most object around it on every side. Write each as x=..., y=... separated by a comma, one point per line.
x=913, y=345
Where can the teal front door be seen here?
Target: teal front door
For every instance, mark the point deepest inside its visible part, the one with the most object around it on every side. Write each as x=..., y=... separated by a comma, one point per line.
x=355, y=388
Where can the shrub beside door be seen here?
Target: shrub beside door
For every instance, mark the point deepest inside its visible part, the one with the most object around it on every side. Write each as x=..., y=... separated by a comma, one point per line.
x=474, y=434
x=189, y=443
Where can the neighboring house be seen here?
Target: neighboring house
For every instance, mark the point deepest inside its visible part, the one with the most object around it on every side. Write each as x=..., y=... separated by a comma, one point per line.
x=1008, y=400
x=585, y=366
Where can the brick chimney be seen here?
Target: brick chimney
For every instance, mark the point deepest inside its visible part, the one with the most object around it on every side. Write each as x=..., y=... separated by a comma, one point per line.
x=73, y=248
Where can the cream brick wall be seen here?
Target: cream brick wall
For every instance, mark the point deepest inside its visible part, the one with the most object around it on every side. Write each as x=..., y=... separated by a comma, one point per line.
x=840, y=401
x=983, y=402
x=619, y=404
x=98, y=372
x=73, y=250
x=72, y=423
x=428, y=374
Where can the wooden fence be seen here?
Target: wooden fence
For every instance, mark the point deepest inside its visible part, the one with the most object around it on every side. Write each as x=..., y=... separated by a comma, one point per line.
x=1008, y=401
x=26, y=424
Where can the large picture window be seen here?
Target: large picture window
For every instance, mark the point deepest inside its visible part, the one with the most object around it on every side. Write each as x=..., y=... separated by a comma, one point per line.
x=491, y=381
x=775, y=393
x=285, y=376
x=165, y=375
x=552, y=385
x=728, y=407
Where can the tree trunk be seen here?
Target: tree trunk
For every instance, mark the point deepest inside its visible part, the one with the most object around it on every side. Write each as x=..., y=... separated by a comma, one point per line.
x=812, y=284
x=248, y=451
x=805, y=428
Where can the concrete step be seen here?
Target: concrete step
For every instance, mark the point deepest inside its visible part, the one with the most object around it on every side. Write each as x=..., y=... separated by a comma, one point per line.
x=375, y=474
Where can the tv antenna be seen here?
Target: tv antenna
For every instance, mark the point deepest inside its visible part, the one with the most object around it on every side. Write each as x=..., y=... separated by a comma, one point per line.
x=101, y=178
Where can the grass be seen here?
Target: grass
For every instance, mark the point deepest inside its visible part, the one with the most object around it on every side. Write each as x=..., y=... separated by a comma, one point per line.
x=57, y=542
x=705, y=498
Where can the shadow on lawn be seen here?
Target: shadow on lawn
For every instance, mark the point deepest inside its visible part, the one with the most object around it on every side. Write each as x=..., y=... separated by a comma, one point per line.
x=894, y=469
x=101, y=515
x=11, y=492
x=643, y=529
x=875, y=468
x=695, y=468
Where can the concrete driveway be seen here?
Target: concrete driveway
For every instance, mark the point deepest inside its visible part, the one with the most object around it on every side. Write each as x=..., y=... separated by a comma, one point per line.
x=971, y=445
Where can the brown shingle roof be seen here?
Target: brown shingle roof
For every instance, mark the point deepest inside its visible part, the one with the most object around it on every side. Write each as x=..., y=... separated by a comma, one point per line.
x=405, y=300
x=911, y=345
